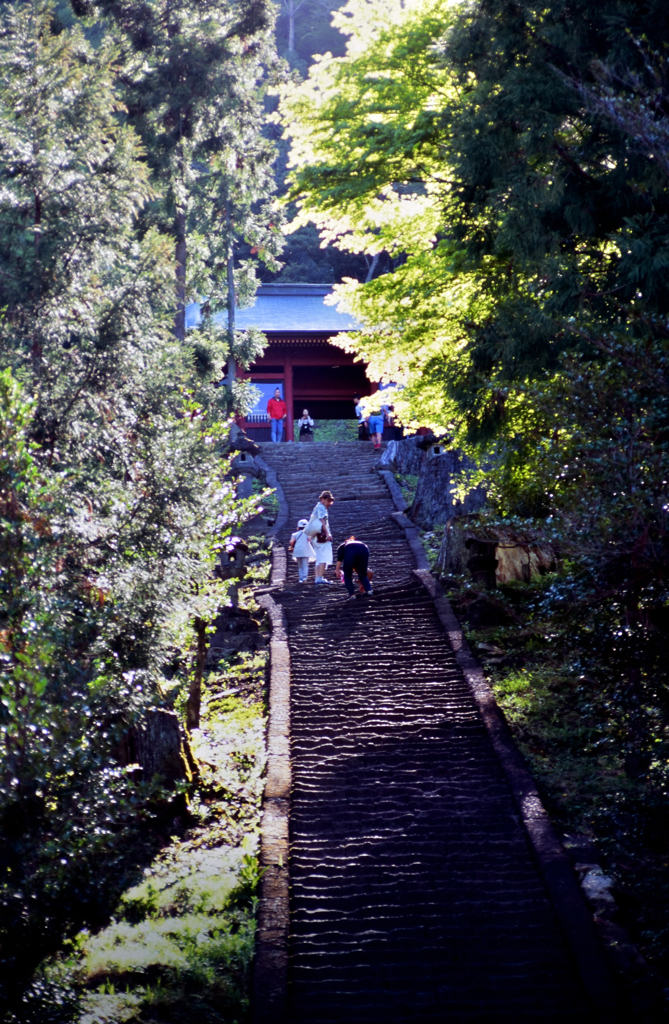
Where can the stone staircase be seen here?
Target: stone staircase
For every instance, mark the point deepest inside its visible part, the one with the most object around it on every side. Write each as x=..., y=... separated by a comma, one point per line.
x=415, y=895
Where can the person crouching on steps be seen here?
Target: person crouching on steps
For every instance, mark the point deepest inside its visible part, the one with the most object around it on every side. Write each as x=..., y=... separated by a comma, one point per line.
x=302, y=551
x=353, y=554
x=318, y=532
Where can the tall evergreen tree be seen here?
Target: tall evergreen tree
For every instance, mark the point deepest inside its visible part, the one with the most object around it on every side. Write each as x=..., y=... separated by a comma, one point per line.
x=192, y=84
x=111, y=501
x=72, y=180
x=547, y=187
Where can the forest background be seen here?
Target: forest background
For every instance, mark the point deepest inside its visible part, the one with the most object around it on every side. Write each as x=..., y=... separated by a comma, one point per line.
x=134, y=174
x=491, y=179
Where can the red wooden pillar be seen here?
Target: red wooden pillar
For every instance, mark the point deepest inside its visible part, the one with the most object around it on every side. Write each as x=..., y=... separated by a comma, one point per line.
x=288, y=395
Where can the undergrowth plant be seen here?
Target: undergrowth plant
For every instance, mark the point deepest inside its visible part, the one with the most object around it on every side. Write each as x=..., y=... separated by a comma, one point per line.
x=181, y=940
x=587, y=702
x=335, y=430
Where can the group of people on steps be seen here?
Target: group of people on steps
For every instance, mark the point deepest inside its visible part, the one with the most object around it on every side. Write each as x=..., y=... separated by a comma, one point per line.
x=370, y=425
x=312, y=542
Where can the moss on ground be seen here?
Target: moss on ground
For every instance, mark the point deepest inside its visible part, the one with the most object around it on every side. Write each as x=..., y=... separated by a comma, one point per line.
x=408, y=482
x=180, y=944
x=432, y=543
x=268, y=511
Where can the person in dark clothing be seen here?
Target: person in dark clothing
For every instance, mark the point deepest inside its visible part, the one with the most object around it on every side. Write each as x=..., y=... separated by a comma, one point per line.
x=353, y=554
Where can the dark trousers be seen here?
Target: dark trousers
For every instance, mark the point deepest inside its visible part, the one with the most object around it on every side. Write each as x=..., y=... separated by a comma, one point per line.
x=356, y=556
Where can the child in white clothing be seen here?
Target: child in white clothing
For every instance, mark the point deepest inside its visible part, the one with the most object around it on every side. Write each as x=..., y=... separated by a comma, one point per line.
x=302, y=551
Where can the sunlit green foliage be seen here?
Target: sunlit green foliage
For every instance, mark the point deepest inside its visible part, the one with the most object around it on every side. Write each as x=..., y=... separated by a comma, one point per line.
x=182, y=939
x=516, y=156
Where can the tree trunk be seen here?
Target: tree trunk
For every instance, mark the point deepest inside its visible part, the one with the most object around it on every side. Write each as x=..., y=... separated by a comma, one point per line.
x=36, y=349
x=37, y=241
x=372, y=268
x=291, y=8
x=181, y=252
x=195, y=692
x=232, y=299
x=159, y=748
x=291, y=25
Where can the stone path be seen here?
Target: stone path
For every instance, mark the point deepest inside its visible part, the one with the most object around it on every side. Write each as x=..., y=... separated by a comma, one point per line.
x=415, y=895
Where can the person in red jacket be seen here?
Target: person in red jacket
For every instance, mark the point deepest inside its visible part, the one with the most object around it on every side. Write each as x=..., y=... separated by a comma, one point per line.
x=277, y=411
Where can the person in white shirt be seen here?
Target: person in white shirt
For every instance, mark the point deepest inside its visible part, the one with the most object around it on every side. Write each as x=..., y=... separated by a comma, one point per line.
x=302, y=550
x=363, y=433
x=318, y=530
x=305, y=427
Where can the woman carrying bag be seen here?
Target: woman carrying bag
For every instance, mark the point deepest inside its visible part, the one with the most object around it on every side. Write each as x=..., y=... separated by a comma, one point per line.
x=318, y=531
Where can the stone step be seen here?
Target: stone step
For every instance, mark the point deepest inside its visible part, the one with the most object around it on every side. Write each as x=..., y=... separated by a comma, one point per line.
x=415, y=896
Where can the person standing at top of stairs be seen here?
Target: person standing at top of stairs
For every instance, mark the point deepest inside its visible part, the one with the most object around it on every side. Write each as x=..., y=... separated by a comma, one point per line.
x=277, y=410
x=305, y=426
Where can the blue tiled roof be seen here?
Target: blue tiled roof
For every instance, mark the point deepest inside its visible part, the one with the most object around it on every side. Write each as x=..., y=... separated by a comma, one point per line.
x=285, y=307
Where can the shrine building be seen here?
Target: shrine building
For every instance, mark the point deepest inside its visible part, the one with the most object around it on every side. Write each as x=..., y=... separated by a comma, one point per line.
x=299, y=359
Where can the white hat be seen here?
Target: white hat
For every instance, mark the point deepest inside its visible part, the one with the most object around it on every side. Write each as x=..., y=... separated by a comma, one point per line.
x=302, y=523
